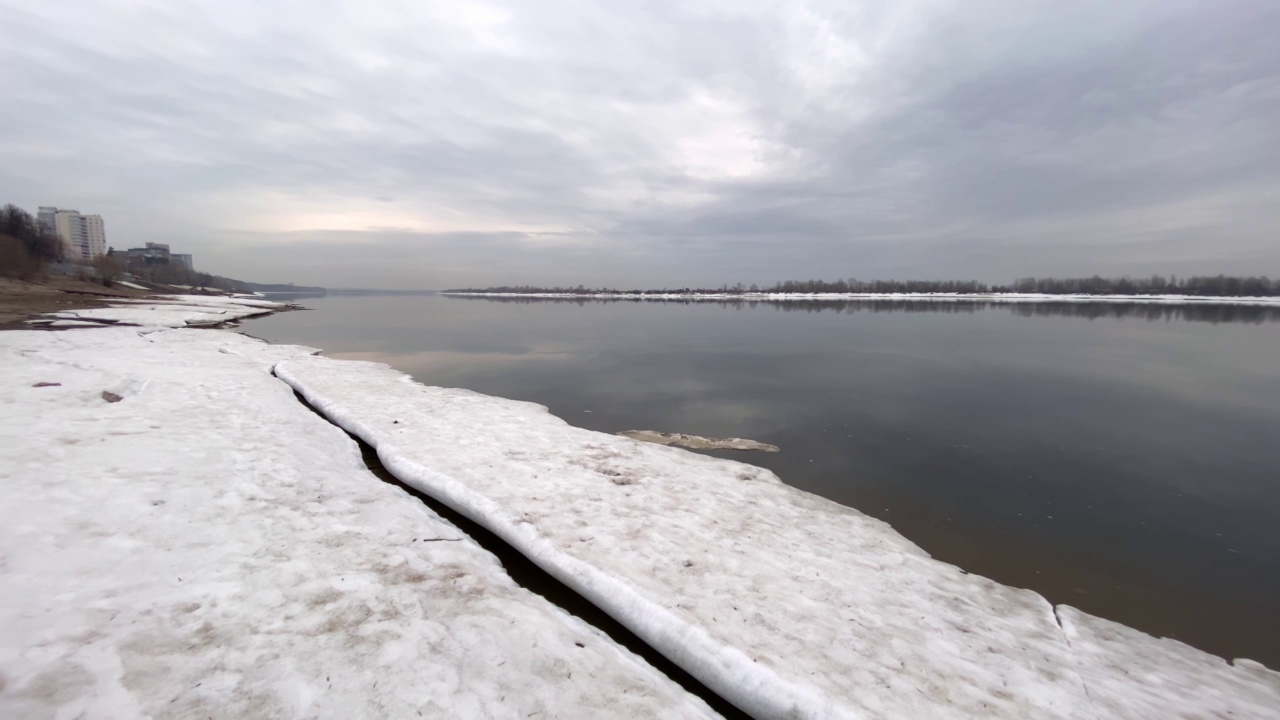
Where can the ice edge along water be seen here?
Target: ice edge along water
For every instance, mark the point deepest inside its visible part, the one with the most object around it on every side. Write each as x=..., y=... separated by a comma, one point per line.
x=1124, y=671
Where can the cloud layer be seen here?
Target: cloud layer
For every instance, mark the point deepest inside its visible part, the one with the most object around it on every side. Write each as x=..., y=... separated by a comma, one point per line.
x=407, y=144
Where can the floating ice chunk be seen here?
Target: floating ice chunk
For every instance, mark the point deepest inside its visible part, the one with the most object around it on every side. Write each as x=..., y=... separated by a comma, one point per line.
x=697, y=442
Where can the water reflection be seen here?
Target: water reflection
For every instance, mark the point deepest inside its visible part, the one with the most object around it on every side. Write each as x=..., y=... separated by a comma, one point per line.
x=1151, y=312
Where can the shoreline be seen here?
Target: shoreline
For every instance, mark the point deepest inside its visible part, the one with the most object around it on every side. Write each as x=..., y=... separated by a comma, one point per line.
x=22, y=300
x=186, y=539
x=878, y=297
x=679, y=605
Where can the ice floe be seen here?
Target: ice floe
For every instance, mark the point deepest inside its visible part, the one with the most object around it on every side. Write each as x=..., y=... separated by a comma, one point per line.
x=697, y=442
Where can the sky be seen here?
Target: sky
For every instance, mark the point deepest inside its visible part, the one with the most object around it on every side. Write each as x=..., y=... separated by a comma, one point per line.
x=427, y=145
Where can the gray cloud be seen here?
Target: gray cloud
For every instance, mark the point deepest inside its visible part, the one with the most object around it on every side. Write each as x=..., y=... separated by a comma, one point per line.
x=397, y=145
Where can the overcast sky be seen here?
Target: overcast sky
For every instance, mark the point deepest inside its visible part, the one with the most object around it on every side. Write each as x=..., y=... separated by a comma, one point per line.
x=418, y=144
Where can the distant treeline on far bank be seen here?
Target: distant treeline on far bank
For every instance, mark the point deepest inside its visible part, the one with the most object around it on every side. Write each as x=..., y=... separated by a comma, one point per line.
x=1215, y=286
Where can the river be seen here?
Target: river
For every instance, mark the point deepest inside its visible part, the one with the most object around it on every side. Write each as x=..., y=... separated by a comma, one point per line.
x=1124, y=459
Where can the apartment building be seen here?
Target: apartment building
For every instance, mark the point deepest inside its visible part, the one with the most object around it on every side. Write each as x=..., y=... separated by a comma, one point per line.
x=84, y=237
x=97, y=236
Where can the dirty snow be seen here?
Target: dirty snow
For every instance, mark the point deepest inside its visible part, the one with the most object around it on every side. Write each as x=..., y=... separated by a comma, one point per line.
x=170, y=311
x=785, y=603
x=697, y=442
x=1135, y=676
x=208, y=547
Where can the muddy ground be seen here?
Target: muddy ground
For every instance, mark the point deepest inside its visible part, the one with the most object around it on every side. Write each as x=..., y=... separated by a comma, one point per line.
x=21, y=300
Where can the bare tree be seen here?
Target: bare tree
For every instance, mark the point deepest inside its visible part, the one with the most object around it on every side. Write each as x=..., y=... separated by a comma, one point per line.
x=16, y=261
x=39, y=243
x=109, y=269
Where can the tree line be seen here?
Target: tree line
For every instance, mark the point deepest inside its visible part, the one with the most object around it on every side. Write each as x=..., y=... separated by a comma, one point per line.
x=1208, y=285
x=1213, y=313
x=25, y=245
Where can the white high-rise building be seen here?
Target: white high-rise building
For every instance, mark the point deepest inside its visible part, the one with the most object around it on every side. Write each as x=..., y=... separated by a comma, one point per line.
x=83, y=236
x=97, y=236
x=74, y=233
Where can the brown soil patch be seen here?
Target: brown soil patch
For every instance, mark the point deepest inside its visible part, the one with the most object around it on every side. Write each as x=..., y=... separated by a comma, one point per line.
x=21, y=300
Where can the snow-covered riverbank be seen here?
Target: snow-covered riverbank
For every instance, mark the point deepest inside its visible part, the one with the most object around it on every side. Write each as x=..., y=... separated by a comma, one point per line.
x=207, y=543
x=880, y=297
x=206, y=546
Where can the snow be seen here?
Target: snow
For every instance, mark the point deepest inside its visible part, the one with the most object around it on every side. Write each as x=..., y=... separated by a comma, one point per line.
x=135, y=286
x=915, y=297
x=208, y=547
x=782, y=602
x=1135, y=676
x=166, y=311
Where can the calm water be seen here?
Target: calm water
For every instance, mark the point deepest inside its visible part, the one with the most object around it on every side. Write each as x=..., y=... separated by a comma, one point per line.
x=1121, y=459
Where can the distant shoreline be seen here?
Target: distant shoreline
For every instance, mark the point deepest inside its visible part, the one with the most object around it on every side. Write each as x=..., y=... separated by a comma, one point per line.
x=878, y=297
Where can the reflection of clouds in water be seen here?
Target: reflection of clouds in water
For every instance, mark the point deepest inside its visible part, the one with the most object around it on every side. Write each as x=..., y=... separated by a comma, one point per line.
x=685, y=396
x=421, y=365
x=736, y=417
x=1226, y=368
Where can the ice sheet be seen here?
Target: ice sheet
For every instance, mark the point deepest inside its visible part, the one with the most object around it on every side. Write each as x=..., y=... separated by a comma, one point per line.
x=1134, y=676
x=786, y=604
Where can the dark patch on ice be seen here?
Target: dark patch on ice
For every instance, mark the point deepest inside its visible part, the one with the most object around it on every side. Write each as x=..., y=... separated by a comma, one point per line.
x=67, y=324
x=47, y=384
x=111, y=397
